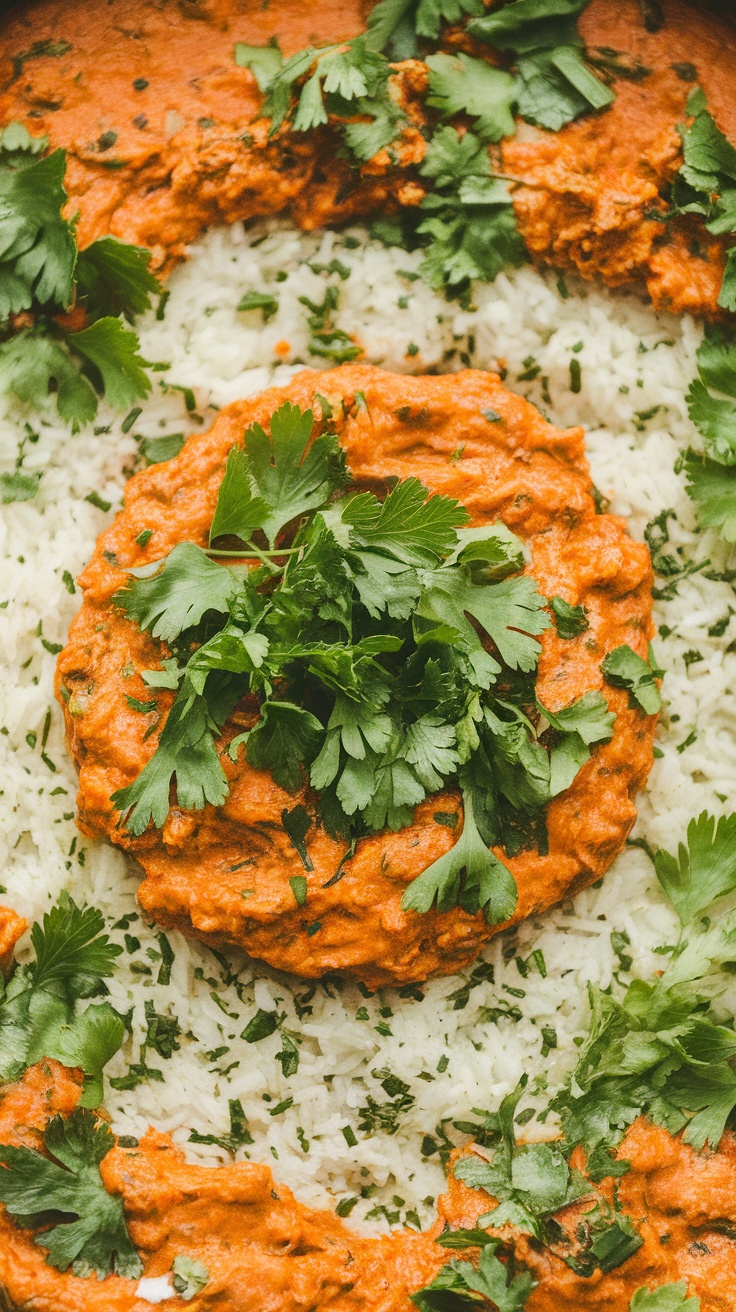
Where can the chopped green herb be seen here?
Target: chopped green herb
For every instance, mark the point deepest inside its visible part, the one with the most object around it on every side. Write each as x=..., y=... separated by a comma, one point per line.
x=263, y=301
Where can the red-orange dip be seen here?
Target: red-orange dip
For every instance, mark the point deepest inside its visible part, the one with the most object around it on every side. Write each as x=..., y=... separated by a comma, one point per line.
x=519, y=469
x=265, y=1252
x=164, y=137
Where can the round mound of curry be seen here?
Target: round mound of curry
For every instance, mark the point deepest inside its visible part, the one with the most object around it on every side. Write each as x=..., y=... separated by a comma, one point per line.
x=519, y=469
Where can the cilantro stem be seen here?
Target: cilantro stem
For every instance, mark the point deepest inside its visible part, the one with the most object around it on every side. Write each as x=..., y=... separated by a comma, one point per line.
x=263, y=556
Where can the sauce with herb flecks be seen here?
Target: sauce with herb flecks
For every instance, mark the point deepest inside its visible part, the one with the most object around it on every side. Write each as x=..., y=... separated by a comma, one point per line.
x=265, y=1252
x=164, y=137
x=222, y=874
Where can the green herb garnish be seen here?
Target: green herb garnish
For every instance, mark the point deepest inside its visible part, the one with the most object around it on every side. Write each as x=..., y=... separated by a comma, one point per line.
x=43, y=272
x=357, y=624
x=36, y=1188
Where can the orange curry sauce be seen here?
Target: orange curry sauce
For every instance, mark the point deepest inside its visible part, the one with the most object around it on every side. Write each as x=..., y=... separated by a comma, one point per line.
x=163, y=139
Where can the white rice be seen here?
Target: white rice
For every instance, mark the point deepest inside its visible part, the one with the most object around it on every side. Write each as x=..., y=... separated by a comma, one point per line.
x=452, y=1059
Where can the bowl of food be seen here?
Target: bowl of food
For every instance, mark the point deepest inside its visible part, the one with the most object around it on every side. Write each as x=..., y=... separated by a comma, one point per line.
x=367, y=915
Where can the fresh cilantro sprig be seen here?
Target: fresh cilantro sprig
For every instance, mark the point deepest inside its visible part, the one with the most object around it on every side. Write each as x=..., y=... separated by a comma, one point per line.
x=623, y=668
x=470, y=229
x=660, y=1051
x=704, y=868
x=711, y=474
x=42, y=275
x=349, y=81
x=391, y=652
x=668, y=1298
x=706, y=184
x=38, y=1189
x=461, y=1286
x=529, y=1181
x=38, y=1015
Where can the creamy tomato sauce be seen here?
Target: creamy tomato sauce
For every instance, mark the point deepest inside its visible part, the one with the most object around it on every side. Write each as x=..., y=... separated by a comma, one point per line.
x=520, y=469
x=164, y=136
x=265, y=1252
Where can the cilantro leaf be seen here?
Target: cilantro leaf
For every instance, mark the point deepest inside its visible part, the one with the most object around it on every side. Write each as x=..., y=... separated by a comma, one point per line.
x=288, y=474
x=471, y=229
x=727, y=294
x=450, y=158
x=383, y=20
x=588, y=717
x=713, y=487
x=624, y=669
x=263, y=301
x=186, y=751
x=284, y=739
x=456, y=1286
x=89, y=1042
x=715, y=418
x=185, y=588
x=492, y=552
x=610, y=1241
x=72, y=957
x=668, y=1298
x=345, y=80
x=186, y=748
x=68, y=1181
x=410, y=525
x=110, y=353
x=297, y=824
x=71, y=949
x=487, y=886
x=38, y=265
x=431, y=14
x=705, y=185
x=35, y=367
x=708, y=156
x=585, y=721
x=554, y=84
x=190, y=1277
x=526, y=25
x=459, y=84
x=509, y=612
x=366, y=139
x=238, y=512
x=430, y=747
x=399, y=22
x=570, y=621
x=113, y=278
x=704, y=868
x=716, y=357
x=19, y=486
x=264, y=62
x=37, y=246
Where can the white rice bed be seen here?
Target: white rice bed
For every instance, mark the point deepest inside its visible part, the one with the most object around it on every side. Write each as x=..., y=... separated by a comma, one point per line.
x=452, y=1059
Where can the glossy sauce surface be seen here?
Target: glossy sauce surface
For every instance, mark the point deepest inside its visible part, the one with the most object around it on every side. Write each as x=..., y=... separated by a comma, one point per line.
x=519, y=469
x=164, y=139
x=265, y=1252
